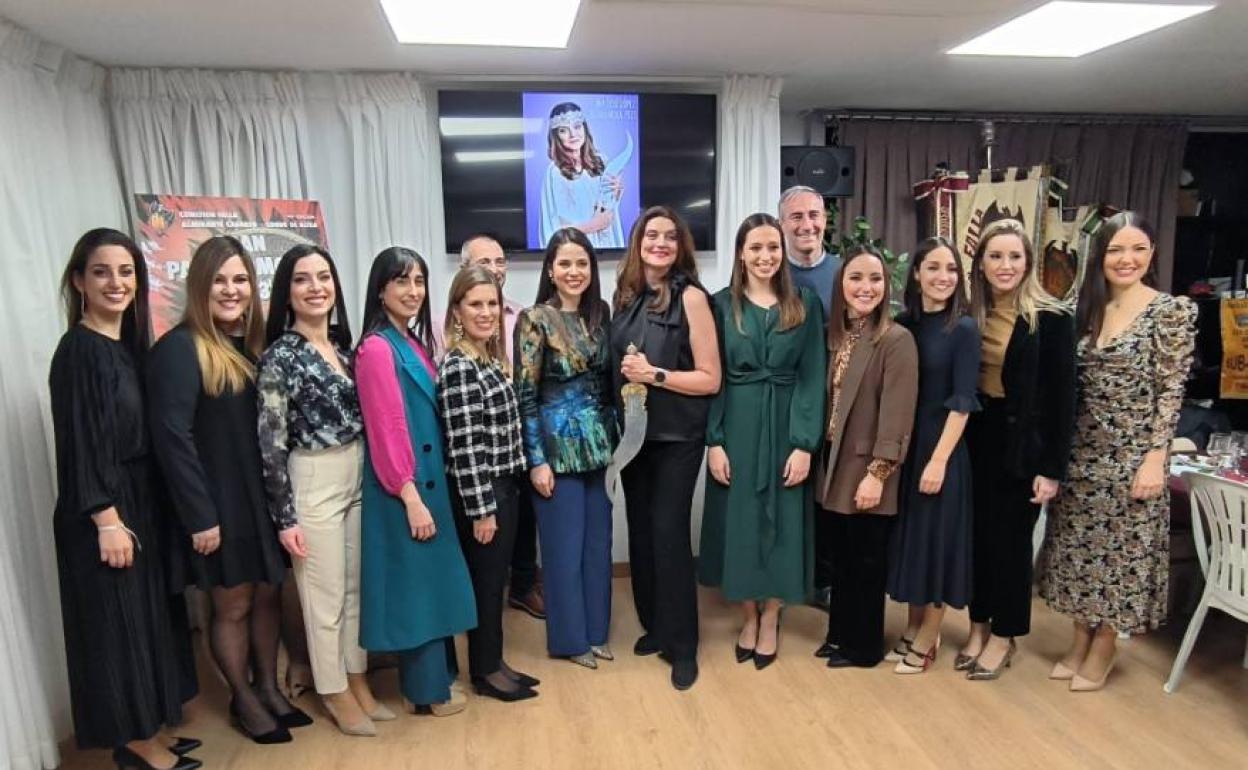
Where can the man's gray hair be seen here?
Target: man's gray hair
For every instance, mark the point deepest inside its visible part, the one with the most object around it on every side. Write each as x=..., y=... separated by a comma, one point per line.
x=793, y=192
x=465, y=250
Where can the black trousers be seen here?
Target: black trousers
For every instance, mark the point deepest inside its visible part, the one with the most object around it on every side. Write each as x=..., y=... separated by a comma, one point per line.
x=658, y=494
x=524, y=554
x=823, y=550
x=1004, y=520
x=860, y=571
x=487, y=564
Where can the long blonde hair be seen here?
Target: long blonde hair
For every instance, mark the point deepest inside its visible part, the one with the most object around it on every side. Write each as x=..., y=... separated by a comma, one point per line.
x=468, y=278
x=221, y=367
x=1030, y=297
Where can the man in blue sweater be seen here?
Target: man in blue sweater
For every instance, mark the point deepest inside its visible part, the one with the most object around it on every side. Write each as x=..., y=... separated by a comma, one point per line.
x=803, y=220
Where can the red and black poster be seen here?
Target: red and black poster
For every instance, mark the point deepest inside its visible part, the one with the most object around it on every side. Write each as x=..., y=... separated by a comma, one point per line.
x=171, y=227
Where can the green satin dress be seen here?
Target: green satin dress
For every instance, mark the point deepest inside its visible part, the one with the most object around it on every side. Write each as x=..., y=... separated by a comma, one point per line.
x=757, y=534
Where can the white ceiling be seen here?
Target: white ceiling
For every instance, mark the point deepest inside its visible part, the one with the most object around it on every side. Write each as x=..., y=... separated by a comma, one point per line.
x=846, y=53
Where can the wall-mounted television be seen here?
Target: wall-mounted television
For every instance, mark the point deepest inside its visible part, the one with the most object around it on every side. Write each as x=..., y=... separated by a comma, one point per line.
x=521, y=164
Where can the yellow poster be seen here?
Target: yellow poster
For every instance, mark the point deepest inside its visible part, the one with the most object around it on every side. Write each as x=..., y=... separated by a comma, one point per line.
x=1234, y=348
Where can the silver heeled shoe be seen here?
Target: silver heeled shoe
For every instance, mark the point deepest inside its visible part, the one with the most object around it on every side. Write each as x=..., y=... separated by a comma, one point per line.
x=979, y=673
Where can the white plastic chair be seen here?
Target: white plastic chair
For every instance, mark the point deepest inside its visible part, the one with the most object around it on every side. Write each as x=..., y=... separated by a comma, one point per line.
x=1223, y=506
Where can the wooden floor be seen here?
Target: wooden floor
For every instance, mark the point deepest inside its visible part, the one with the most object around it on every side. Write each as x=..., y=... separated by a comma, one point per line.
x=796, y=714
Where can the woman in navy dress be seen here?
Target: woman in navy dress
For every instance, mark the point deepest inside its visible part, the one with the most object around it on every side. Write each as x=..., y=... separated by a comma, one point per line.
x=930, y=559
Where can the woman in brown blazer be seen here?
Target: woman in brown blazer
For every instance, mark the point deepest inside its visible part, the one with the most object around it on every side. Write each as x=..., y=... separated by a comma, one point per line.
x=873, y=381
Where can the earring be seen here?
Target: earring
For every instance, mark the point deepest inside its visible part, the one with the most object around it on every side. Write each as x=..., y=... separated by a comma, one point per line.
x=83, y=297
x=457, y=330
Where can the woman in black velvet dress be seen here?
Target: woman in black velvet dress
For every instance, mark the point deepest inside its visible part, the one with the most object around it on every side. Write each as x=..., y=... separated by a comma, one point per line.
x=122, y=643
x=202, y=402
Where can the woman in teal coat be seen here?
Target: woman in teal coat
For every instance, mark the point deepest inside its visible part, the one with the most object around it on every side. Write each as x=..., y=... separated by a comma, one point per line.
x=415, y=592
x=764, y=425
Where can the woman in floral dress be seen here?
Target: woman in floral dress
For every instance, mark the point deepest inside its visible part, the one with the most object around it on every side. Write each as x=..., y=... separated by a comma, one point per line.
x=1106, y=557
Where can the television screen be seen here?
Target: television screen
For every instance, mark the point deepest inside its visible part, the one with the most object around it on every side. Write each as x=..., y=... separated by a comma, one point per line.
x=520, y=165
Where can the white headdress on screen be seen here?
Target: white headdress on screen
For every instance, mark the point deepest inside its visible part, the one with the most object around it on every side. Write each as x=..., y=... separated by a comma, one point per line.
x=567, y=119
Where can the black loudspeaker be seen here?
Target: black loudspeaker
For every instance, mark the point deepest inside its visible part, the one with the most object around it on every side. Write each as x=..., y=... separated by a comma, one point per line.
x=829, y=170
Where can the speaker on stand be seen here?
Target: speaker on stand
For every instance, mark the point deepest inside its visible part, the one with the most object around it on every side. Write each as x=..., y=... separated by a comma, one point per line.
x=828, y=170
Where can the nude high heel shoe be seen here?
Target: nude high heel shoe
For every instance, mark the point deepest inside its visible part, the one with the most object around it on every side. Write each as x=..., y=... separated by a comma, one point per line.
x=1061, y=673
x=364, y=729
x=1080, y=684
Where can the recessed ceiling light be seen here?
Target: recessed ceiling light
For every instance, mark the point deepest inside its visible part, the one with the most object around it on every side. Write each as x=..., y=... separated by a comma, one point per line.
x=527, y=24
x=1069, y=29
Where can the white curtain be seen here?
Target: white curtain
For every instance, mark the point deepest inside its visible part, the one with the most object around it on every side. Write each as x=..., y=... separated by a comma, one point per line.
x=749, y=156
x=378, y=172
x=196, y=132
x=58, y=178
x=362, y=145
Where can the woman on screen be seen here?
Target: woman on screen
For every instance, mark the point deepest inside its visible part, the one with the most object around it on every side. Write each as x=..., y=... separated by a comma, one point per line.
x=577, y=191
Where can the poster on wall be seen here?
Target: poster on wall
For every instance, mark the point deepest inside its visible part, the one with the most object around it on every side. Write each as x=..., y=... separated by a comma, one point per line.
x=170, y=227
x=581, y=166
x=1234, y=348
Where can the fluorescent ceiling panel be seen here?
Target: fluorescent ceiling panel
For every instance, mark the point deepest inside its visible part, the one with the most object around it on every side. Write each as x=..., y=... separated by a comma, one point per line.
x=491, y=156
x=487, y=126
x=518, y=23
x=1070, y=29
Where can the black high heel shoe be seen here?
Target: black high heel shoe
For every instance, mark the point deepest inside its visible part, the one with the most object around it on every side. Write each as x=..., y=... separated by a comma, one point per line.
x=296, y=717
x=278, y=734
x=524, y=680
x=742, y=654
x=182, y=745
x=483, y=687
x=762, y=661
x=128, y=760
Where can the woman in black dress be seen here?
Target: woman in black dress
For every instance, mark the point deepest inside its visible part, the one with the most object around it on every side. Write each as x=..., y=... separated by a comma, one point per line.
x=930, y=553
x=126, y=679
x=663, y=337
x=202, y=403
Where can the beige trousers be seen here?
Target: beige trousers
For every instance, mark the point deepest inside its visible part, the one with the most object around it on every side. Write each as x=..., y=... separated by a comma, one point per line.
x=326, y=487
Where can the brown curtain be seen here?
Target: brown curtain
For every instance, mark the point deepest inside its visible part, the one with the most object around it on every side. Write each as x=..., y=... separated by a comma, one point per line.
x=890, y=156
x=1133, y=165
x=1128, y=165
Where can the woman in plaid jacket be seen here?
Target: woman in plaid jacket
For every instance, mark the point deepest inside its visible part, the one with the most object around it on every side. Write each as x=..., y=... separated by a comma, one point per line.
x=485, y=460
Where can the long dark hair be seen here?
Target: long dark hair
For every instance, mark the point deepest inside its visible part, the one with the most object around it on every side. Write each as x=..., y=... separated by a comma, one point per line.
x=281, y=316
x=389, y=264
x=838, y=321
x=592, y=309
x=957, y=306
x=630, y=279
x=1090, y=310
x=136, y=326
x=590, y=161
x=789, y=299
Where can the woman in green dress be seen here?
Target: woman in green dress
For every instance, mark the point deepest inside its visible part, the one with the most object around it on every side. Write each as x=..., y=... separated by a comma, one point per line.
x=764, y=425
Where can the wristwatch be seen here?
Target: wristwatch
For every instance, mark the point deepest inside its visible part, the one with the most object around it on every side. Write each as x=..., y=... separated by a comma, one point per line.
x=660, y=376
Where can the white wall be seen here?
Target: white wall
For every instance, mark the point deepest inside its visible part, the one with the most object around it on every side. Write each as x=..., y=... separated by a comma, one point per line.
x=792, y=127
